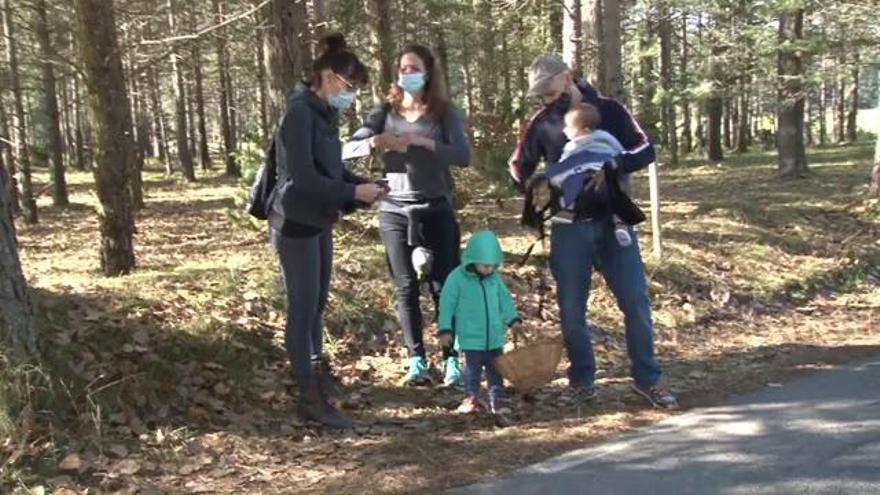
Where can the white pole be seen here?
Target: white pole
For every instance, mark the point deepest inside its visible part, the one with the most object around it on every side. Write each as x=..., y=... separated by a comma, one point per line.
x=655, y=210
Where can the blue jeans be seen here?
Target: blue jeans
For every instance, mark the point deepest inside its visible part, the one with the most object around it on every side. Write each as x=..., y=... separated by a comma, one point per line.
x=574, y=249
x=475, y=362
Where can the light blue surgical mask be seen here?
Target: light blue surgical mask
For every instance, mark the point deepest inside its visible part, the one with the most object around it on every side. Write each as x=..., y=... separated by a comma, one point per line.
x=412, y=83
x=342, y=100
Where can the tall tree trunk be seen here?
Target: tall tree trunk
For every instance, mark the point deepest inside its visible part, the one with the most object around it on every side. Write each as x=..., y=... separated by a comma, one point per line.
x=792, y=156
x=852, y=134
x=646, y=84
x=160, y=122
x=742, y=141
x=101, y=61
x=486, y=73
x=229, y=158
x=78, y=126
x=840, y=110
x=686, y=134
x=16, y=311
x=554, y=19
x=823, y=108
x=19, y=125
x=382, y=45
x=6, y=147
x=506, y=104
x=715, y=106
x=285, y=28
x=875, y=174
x=808, y=119
x=596, y=66
x=261, y=79
x=521, y=79
x=666, y=74
x=612, y=54
x=726, y=127
x=572, y=36
x=204, y=153
x=184, y=155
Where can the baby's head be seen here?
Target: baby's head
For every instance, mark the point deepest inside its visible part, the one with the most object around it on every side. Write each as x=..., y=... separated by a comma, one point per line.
x=581, y=120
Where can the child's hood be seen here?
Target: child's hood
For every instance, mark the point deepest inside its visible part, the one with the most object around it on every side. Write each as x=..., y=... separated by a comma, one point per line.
x=597, y=141
x=483, y=248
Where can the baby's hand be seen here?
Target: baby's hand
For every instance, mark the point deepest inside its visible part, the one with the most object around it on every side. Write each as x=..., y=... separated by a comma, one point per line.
x=445, y=339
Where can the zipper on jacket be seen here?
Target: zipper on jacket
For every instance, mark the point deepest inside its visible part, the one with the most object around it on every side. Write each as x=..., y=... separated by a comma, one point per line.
x=486, y=306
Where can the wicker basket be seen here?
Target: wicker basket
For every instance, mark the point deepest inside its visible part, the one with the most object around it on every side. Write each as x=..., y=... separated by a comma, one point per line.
x=531, y=365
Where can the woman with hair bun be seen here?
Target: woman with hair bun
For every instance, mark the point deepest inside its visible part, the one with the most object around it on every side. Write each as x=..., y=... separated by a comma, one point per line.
x=314, y=190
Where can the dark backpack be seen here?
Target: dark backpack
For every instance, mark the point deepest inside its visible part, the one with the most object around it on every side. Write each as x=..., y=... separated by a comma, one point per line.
x=260, y=196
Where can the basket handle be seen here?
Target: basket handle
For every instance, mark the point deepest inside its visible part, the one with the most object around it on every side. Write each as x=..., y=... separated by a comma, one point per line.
x=517, y=334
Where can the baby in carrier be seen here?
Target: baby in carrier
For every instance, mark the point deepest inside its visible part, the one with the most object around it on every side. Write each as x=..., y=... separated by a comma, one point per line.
x=564, y=187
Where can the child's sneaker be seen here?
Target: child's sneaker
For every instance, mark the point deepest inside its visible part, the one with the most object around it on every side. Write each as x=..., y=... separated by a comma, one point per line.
x=452, y=376
x=417, y=376
x=621, y=233
x=469, y=405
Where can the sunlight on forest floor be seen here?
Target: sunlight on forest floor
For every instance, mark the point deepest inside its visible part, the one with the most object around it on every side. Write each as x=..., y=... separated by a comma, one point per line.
x=174, y=378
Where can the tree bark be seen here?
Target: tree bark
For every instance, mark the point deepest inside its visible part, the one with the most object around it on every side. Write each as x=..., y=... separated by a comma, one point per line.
x=595, y=35
x=742, y=136
x=204, y=153
x=101, y=61
x=184, y=155
x=612, y=55
x=646, y=83
x=840, y=110
x=792, y=157
x=875, y=174
x=666, y=75
x=260, y=71
x=572, y=36
x=686, y=136
x=726, y=124
x=229, y=158
x=19, y=124
x=285, y=28
x=852, y=134
x=823, y=108
x=382, y=45
x=78, y=131
x=715, y=106
x=9, y=157
x=16, y=311
x=486, y=72
x=555, y=23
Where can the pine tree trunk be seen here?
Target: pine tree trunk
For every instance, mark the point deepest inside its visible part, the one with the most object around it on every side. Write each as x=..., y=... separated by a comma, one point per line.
x=260, y=71
x=78, y=126
x=715, y=107
x=506, y=104
x=229, y=158
x=160, y=122
x=101, y=61
x=379, y=15
x=875, y=174
x=137, y=182
x=686, y=136
x=521, y=79
x=646, y=84
x=6, y=148
x=792, y=157
x=808, y=119
x=486, y=73
x=823, y=109
x=596, y=66
x=285, y=57
x=204, y=153
x=16, y=311
x=612, y=55
x=19, y=124
x=184, y=155
x=840, y=110
x=666, y=78
x=572, y=36
x=852, y=134
x=726, y=127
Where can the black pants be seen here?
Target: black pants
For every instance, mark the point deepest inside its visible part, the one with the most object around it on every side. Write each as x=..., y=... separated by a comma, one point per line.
x=306, y=264
x=439, y=234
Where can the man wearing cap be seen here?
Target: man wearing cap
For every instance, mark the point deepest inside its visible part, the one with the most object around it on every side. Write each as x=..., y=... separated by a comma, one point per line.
x=579, y=245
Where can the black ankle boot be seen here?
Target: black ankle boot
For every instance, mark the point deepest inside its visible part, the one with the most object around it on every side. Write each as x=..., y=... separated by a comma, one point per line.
x=313, y=406
x=328, y=383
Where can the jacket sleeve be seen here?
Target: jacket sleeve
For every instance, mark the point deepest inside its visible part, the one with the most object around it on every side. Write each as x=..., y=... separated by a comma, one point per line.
x=293, y=150
x=373, y=125
x=448, y=302
x=526, y=154
x=638, y=151
x=455, y=150
x=508, y=307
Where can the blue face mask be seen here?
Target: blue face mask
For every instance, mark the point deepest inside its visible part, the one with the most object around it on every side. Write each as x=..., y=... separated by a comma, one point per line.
x=342, y=100
x=411, y=83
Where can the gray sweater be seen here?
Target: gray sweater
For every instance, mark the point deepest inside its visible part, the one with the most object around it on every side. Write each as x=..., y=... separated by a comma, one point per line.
x=419, y=175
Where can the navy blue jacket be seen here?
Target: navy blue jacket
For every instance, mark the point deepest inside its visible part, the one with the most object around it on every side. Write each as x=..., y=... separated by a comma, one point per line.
x=542, y=137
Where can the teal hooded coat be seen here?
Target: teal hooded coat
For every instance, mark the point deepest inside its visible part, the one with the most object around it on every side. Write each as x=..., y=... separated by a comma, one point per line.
x=478, y=309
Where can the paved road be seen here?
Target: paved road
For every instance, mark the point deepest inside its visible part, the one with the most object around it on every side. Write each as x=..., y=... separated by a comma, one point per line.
x=816, y=435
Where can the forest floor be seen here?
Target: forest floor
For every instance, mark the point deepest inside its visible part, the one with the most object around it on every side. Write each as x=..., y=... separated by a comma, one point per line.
x=174, y=379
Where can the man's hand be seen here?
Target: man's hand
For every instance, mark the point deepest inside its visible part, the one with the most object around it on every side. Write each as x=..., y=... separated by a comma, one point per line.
x=388, y=141
x=597, y=181
x=445, y=339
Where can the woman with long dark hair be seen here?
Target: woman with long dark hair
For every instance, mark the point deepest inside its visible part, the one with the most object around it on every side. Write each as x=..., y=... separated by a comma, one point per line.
x=420, y=135
x=314, y=189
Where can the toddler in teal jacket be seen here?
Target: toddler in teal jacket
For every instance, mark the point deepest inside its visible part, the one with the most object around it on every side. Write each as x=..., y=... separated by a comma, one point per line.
x=476, y=309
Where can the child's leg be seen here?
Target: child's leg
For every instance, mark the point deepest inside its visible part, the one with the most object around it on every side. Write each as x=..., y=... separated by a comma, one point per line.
x=473, y=372
x=621, y=231
x=496, y=381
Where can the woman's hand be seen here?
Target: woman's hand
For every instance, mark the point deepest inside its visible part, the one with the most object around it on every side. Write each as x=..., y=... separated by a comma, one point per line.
x=597, y=181
x=388, y=141
x=418, y=140
x=369, y=192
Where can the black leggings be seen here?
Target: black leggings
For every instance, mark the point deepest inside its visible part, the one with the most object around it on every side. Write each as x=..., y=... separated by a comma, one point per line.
x=439, y=234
